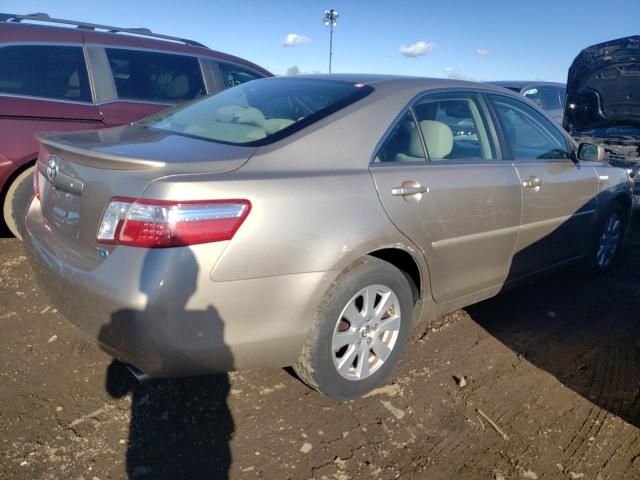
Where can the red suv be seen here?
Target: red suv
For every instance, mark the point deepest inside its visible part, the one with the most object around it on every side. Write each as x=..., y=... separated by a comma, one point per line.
x=91, y=76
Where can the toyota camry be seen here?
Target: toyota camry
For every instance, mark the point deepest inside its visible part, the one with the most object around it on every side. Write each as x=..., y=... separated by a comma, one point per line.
x=311, y=222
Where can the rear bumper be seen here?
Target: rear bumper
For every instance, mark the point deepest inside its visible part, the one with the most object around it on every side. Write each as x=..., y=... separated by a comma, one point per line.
x=160, y=311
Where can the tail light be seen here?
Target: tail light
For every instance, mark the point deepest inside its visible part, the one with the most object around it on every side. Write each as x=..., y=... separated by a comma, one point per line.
x=36, y=182
x=162, y=224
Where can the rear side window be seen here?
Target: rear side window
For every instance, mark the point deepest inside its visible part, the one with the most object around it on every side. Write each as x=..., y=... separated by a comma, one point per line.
x=454, y=127
x=403, y=143
x=234, y=75
x=260, y=112
x=155, y=77
x=44, y=71
x=529, y=134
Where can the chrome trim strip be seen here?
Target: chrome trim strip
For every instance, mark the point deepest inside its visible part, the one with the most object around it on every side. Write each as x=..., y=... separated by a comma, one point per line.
x=143, y=102
x=46, y=99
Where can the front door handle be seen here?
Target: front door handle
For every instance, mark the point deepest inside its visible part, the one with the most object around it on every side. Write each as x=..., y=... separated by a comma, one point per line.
x=407, y=190
x=532, y=182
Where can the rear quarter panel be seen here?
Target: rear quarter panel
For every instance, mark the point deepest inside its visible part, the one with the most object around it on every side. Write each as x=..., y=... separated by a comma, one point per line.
x=308, y=222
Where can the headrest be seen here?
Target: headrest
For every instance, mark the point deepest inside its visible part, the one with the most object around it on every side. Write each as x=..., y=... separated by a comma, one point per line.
x=74, y=80
x=238, y=114
x=179, y=86
x=438, y=137
x=273, y=125
x=228, y=113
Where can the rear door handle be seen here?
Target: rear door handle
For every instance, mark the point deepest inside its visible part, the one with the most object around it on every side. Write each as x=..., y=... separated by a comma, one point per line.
x=404, y=191
x=532, y=182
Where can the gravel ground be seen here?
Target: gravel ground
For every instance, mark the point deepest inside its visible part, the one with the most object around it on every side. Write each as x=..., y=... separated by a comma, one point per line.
x=550, y=391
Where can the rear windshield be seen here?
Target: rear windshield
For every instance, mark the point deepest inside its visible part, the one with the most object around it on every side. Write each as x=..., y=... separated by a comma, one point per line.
x=259, y=112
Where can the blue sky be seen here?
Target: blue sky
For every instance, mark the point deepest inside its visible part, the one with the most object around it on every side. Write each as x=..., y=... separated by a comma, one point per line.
x=481, y=39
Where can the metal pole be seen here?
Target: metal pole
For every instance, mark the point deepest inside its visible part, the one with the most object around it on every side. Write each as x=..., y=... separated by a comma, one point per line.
x=330, y=17
x=330, y=45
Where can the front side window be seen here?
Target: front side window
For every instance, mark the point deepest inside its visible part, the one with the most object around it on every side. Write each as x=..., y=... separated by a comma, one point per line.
x=44, y=71
x=534, y=95
x=454, y=127
x=260, y=112
x=234, y=75
x=155, y=77
x=563, y=96
x=529, y=134
x=550, y=98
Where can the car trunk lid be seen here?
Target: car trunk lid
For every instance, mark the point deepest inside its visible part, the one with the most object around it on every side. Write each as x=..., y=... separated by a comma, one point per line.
x=79, y=173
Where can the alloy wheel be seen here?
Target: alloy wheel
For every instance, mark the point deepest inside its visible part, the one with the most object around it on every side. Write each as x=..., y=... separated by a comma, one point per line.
x=366, y=332
x=609, y=240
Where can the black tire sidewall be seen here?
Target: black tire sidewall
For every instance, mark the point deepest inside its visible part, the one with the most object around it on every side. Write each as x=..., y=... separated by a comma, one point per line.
x=326, y=377
x=16, y=201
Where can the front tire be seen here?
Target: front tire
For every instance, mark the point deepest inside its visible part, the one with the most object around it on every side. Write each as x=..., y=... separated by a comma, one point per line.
x=606, y=245
x=360, y=331
x=16, y=201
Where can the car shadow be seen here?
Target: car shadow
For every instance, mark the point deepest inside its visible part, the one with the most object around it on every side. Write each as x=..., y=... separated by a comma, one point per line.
x=583, y=331
x=179, y=427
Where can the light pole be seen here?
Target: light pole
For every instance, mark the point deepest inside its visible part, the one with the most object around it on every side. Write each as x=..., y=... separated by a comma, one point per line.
x=330, y=20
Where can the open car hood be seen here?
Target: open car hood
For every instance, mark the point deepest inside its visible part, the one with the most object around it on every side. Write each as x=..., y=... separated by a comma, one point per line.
x=603, y=86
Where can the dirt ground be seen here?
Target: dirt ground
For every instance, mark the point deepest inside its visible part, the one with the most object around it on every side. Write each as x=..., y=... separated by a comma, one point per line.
x=552, y=377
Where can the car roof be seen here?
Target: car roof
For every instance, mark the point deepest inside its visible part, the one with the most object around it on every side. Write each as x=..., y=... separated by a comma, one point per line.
x=524, y=83
x=401, y=81
x=28, y=32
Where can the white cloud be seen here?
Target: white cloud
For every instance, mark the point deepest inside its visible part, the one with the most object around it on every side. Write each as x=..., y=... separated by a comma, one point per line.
x=293, y=39
x=417, y=49
x=483, y=52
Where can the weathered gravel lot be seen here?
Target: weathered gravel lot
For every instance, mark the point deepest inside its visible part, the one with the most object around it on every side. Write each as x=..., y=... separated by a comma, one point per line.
x=555, y=366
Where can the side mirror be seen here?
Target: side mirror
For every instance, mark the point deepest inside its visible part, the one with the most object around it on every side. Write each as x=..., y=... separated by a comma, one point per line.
x=590, y=152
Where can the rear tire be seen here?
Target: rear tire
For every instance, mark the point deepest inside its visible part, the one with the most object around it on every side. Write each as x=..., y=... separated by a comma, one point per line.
x=16, y=201
x=360, y=330
x=608, y=237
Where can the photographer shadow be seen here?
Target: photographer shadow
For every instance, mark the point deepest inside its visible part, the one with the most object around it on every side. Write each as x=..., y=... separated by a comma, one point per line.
x=179, y=427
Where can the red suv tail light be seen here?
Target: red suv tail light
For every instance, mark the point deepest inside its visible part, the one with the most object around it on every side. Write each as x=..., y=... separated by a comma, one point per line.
x=161, y=224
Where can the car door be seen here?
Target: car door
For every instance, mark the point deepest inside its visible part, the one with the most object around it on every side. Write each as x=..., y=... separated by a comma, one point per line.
x=457, y=201
x=558, y=194
x=132, y=84
x=43, y=87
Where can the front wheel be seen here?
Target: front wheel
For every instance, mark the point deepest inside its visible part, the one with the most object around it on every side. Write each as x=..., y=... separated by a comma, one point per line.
x=361, y=328
x=606, y=245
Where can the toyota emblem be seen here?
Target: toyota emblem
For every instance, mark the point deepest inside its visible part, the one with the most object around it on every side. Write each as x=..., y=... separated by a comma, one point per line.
x=52, y=167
